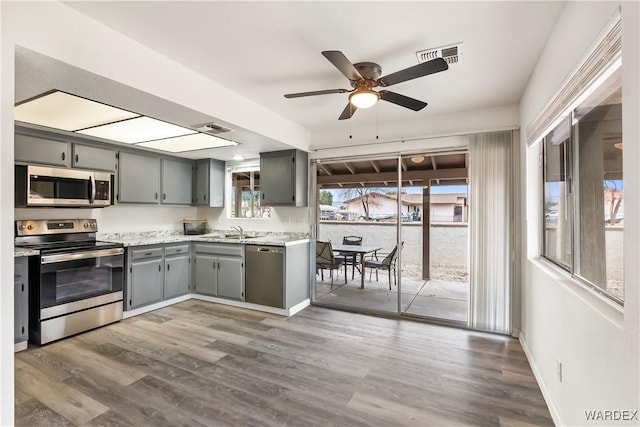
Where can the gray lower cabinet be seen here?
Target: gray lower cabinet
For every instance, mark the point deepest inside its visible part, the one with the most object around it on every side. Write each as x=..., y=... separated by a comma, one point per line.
x=177, y=271
x=157, y=273
x=206, y=274
x=94, y=158
x=21, y=299
x=219, y=270
x=176, y=182
x=29, y=149
x=208, y=183
x=146, y=282
x=230, y=272
x=138, y=178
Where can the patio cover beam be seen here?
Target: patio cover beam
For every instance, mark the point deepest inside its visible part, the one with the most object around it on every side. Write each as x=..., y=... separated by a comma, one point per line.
x=424, y=176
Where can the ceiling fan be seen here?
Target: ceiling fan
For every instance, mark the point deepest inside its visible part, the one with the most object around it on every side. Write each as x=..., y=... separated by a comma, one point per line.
x=364, y=76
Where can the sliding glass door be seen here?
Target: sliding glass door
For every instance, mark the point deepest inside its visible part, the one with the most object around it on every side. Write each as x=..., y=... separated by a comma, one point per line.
x=357, y=216
x=363, y=206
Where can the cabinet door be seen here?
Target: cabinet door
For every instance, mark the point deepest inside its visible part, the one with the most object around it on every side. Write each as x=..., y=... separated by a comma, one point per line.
x=206, y=269
x=139, y=179
x=202, y=182
x=277, y=179
x=29, y=149
x=230, y=278
x=216, y=184
x=87, y=157
x=176, y=182
x=146, y=282
x=21, y=300
x=176, y=276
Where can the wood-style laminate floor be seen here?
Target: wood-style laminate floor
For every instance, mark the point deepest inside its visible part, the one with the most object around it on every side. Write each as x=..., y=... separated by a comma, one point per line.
x=203, y=364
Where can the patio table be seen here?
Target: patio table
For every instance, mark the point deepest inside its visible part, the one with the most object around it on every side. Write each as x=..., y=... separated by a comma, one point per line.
x=356, y=250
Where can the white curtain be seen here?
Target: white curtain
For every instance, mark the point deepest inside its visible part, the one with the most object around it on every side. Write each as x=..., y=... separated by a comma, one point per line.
x=491, y=180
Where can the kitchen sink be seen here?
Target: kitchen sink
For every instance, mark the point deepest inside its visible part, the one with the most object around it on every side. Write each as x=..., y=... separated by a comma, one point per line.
x=238, y=236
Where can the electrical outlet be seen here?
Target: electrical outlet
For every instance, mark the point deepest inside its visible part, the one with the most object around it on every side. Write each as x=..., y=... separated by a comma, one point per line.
x=559, y=370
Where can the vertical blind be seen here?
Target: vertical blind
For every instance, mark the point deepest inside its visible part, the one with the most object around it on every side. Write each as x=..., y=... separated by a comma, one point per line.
x=491, y=225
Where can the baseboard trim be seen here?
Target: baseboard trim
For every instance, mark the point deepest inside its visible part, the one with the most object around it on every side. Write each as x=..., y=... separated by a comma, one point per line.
x=553, y=410
x=242, y=304
x=20, y=346
x=151, y=307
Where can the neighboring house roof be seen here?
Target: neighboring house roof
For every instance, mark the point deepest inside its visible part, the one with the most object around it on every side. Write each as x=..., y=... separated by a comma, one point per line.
x=416, y=199
x=375, y=196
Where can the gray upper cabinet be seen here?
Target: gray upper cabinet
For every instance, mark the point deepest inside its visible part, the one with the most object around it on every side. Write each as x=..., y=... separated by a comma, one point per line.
x=139, y=179
x=29, y=149
x=283, y=178
x=176, y=182
x=94, y=158
x=209, y=183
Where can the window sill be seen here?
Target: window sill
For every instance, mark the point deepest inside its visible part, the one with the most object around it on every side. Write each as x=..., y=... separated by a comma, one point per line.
x=601, y=304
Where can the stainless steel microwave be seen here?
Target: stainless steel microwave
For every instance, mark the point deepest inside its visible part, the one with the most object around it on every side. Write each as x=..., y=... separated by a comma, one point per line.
x=57, y=187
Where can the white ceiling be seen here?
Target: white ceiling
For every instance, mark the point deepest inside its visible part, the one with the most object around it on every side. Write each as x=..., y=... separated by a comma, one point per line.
x=265, y=49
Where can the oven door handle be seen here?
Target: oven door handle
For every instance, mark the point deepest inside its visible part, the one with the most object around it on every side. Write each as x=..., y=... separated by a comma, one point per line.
x=72, y=256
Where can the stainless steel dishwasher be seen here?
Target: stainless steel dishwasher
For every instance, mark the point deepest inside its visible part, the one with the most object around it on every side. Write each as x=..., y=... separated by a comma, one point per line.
x=264, y=275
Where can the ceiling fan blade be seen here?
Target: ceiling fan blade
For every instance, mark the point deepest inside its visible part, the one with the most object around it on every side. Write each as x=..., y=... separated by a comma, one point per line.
x=420, y=70
x=341, y=62
x=315, y=92
x=348, y=111
x=403, y=101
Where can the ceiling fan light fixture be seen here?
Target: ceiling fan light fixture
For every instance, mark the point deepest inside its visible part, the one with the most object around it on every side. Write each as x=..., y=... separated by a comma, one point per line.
x=364, y=98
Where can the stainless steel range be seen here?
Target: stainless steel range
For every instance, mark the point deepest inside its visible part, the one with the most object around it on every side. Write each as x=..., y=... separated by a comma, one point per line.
x=76, y=282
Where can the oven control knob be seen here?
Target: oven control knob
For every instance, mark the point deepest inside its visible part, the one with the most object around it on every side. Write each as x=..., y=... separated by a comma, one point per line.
x=30, y=227
x=22, y=227
x=86, y=225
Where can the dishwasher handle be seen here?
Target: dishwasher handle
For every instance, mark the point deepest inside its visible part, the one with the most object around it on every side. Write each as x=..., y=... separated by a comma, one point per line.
x=264, y=249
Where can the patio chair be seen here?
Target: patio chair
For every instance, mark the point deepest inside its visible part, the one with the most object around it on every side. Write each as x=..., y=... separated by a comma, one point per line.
x=388, y=263
x=351, y=259
x=326, y=260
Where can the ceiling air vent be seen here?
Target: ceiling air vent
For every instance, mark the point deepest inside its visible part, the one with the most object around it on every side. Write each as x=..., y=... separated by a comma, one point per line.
x=212, y=128
x=451, y=53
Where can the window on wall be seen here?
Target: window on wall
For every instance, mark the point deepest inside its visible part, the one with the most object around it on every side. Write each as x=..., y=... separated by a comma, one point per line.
x=583, y=191
x=245, y=195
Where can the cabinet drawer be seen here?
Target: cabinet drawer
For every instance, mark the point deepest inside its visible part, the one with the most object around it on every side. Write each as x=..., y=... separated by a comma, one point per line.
x=173, y=250
x=221, y=249
x=138, y=254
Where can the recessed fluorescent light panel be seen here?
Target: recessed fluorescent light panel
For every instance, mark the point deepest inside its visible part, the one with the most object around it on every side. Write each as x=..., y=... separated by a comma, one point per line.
x=198, y=141
x=139, y=129
x=61, y=110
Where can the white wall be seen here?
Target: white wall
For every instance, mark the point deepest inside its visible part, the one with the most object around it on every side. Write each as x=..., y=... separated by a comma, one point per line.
x=54, y=30
x=597, y=343
x=120, y=218
x=288, y=219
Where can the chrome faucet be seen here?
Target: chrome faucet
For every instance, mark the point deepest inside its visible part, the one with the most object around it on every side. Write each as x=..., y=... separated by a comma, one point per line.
x=238, y=229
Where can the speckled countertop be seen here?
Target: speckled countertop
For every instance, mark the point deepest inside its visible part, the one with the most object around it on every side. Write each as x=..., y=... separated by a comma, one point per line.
x=217, y=236
x=20, y=252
